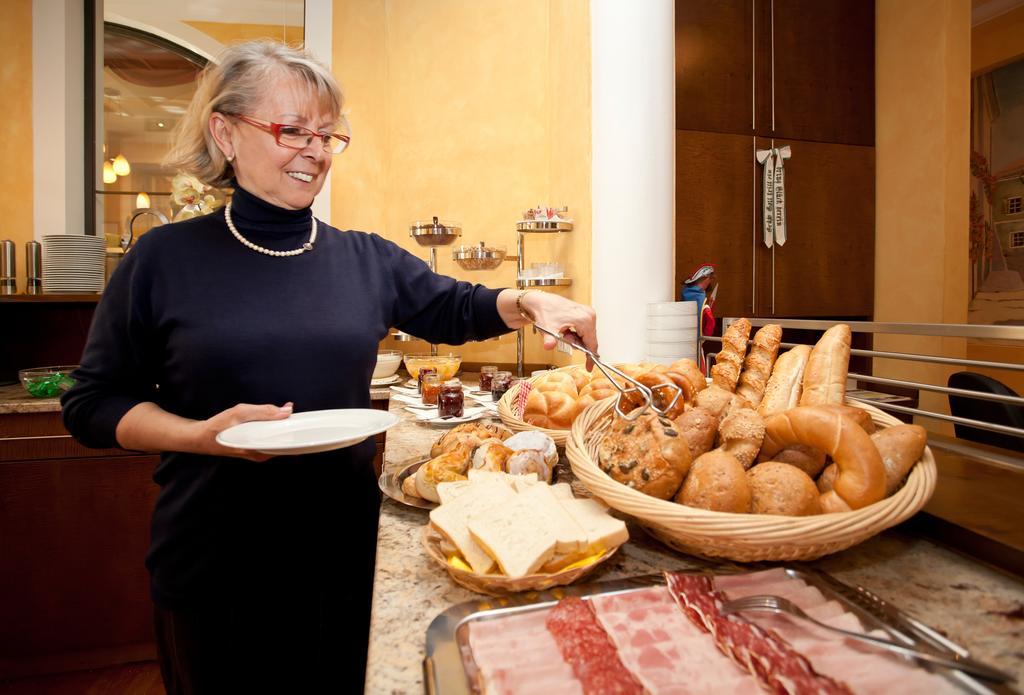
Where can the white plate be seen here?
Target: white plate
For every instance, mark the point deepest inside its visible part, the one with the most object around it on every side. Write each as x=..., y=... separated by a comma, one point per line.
x=430, y=416
x=385, y=381
x=309, y=432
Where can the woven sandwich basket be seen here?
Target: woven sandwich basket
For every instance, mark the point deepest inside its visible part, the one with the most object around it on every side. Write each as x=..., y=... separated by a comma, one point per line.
x=508, y=411
x=745, y=537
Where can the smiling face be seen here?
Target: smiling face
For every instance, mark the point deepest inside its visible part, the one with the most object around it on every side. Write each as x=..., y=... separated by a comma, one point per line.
x=282, y=176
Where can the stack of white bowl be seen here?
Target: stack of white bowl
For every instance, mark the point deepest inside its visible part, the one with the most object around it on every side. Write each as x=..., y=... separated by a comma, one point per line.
x=73, y=263
x=671, y=331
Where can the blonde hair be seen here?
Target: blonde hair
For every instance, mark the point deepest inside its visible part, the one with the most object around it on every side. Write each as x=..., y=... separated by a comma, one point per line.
x=233, y=85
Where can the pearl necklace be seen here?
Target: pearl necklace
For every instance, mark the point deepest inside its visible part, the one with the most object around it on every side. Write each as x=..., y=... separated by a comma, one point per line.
x=308, y=246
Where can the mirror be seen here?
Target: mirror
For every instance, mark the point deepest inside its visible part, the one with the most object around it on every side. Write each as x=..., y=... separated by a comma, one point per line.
x=148, y=56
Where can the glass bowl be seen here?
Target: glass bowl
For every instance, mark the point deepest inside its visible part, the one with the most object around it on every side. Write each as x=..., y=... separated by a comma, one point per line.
x=387, y=363
x=447, y=366
x=47, y=382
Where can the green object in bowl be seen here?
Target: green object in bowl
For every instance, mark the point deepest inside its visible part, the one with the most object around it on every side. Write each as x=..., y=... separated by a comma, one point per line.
x=47, y=382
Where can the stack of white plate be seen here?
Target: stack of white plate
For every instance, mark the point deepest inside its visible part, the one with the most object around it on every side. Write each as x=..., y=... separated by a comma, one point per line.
x=671, y=331
x=73, y=263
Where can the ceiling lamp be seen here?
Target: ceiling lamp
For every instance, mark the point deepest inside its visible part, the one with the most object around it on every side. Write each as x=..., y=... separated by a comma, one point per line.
x=142, y=200
x=121, y=166
x=108, y=173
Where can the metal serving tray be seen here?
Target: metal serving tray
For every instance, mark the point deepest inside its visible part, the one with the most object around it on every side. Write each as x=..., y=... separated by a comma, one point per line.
x=448, y=666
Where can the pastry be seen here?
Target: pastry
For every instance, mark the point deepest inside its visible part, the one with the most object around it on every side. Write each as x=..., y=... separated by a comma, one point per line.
x=757, y=368
x=785, y=384
x=729, y=362
x=741, y=434
x=532, y=439
x=491, y=455
x=446, y=468
x=471, y=433
x=647, y=454
x=861, y=477
x=716, y=482
x=825, y=374
x=900, y=447
x=778, y=488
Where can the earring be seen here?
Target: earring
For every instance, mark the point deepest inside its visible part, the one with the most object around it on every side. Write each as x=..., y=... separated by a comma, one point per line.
x=231, y=158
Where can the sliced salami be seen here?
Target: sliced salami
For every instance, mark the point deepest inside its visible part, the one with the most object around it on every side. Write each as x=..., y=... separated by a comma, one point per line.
x=586, y=647
x=760, y=651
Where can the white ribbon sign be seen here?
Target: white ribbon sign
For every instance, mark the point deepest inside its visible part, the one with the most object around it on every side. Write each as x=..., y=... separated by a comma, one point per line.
x=773, y=192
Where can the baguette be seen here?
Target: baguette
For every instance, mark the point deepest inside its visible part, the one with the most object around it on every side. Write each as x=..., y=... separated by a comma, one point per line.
x=729, y=363
x=785, y=384
x=861, y=475
x=757, y=367
x=825, y=375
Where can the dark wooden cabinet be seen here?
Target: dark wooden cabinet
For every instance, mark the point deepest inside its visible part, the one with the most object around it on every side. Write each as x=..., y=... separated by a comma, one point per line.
x=756, y=74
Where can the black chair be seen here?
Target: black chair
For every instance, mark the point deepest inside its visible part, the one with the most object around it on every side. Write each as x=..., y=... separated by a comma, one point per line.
x=987, y=411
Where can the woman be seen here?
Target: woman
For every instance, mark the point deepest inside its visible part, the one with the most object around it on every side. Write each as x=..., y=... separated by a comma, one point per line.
x=261, y=574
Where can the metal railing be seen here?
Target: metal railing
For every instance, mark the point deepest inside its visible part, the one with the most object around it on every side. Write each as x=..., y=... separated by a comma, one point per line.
x=1011, y=334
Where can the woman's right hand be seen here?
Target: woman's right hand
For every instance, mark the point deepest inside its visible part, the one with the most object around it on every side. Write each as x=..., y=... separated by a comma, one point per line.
x=207, y=430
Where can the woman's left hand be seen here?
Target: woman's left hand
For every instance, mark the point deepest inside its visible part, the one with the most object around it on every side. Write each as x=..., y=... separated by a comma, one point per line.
x=555, y=313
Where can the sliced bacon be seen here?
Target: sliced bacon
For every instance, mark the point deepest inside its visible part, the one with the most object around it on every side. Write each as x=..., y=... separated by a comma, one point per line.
x=760, y=651
x=586, y=647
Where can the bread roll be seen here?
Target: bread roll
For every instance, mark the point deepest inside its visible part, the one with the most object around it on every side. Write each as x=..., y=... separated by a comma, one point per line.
x=448, y=467
x=785, y=384
x=699, y=427
x=778, y=488
x=527, y=461
x=825, y=375
x=741, y=434
x=757, y=368
x=900, y=447
x=689, y=370
x=715, y=400
x=729, y=362
x=557, y=381
x=647, y=454
x=553, y=409
x=598, y=389
x=532, y=439
x=806, y=458
x=861, y=478
x=716, y=482
x=580, y=376
x=491, y=455
x=827, y=478
x=469, y=433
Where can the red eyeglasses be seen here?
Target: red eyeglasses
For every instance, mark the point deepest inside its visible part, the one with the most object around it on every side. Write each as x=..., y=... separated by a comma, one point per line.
x=298, y=138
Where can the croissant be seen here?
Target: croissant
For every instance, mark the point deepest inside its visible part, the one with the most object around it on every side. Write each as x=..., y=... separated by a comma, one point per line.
x=758, y=366
x=729, y=363
x=860, y=478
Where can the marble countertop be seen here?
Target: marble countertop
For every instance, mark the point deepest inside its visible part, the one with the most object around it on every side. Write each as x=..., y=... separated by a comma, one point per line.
x=15, y=399
x=975, y=606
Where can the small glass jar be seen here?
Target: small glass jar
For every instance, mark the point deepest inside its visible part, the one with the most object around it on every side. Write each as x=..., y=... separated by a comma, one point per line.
x=450, y=400
x=422, y=373
x=500, y=383
x=486, y=375
x=430, y=386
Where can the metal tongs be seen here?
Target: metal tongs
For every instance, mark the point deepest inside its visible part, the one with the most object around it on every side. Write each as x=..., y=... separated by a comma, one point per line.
x=573, y=340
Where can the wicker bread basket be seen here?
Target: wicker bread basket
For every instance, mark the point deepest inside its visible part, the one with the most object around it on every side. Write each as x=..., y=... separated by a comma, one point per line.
x=507, y=413
x=745, y=537
x=498, y=585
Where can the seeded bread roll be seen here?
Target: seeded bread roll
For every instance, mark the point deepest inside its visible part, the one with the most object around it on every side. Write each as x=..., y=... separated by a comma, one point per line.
x=757, y=368
x=778, y=488
x=729, y=362
x=716, y=482
x=647, y=454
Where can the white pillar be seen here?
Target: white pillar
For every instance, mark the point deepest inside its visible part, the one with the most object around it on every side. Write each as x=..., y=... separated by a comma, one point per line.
x=318, y=34
x=58, y=113
x=634, y=144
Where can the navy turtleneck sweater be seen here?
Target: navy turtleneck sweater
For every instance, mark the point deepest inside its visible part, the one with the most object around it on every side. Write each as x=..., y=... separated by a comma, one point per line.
x=196, y=322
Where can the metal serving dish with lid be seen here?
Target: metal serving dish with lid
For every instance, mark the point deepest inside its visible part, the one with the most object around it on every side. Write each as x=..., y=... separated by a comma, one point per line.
x=435, y=232
x=479, y=257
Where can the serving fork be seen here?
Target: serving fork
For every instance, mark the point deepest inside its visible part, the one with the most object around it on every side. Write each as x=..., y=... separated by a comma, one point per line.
x=778, y=604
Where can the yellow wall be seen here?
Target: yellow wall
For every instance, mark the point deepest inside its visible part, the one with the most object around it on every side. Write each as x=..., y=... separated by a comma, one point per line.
x=16, y=135
x=998, y=41
x=922, y=92
x=470, y=111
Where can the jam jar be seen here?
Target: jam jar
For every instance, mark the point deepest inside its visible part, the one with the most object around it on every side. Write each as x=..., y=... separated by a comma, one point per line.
x=423, y=372
x=486, y=375
x=500, y=383
x=450, y=401
x=430, y=387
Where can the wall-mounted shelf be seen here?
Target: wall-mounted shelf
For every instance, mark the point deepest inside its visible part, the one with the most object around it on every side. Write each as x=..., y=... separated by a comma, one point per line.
x=544, y=282
x=543, y=226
